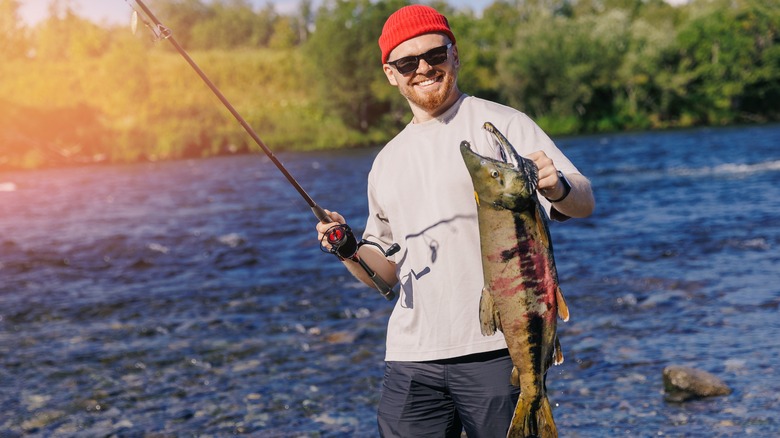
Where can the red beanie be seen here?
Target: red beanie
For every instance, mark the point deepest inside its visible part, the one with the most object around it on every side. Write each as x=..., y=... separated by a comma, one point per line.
x=409, y=22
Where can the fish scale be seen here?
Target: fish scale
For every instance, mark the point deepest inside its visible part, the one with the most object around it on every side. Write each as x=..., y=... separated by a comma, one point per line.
x=521, y=296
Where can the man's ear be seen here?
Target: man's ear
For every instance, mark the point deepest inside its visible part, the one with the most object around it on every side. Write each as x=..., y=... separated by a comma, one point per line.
x=389, y=73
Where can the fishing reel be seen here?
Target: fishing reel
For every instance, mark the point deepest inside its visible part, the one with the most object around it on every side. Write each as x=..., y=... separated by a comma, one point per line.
x=344, y=245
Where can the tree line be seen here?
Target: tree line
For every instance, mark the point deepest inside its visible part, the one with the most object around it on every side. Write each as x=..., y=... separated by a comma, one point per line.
x=75, y=91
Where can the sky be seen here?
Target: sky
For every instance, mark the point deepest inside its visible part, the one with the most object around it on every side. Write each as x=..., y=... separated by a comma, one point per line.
x=118, y=11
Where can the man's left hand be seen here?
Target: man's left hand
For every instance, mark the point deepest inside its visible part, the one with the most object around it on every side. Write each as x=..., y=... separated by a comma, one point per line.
x=549, y=185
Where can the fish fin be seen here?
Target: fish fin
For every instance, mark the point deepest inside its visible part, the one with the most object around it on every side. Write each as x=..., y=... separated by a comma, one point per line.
x=514, y=378
x=557, y=352
x=488, y=314
x=526, y=423
x=563, y=309
x=544, y=234
x=476, y=196
x=530, y=173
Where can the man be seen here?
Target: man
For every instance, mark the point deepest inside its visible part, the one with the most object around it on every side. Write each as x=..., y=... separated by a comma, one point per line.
x=442, y=374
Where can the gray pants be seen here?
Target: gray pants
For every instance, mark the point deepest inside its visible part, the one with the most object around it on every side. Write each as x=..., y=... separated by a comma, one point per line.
x=441, y=398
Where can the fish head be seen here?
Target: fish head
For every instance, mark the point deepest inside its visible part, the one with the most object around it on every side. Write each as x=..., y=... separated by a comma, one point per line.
x=500, y=184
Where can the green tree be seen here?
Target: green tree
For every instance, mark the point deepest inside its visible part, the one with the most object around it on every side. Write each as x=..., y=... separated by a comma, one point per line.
x=479, y=42
x=565, y=69
x=181, y=17
x=66, y=36
x=232, y=24
x=646, y=80
x=305, y=19
x=346, y=61
x=285, y=34
x=728, y=61
x=13, y=38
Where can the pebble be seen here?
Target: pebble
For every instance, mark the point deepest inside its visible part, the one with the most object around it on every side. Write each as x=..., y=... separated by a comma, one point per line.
x=41, y=420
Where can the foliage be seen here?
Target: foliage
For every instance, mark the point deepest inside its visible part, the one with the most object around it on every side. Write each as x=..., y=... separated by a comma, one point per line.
x=728, y=59
x=73, y=91
x=346, y=62
x=562, y=67
x=13, y=41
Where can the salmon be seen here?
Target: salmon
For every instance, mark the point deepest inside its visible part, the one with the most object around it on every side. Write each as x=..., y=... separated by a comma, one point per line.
x=521, y=296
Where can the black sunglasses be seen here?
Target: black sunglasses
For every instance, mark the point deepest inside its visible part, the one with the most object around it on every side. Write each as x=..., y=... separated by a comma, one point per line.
x=408, y=64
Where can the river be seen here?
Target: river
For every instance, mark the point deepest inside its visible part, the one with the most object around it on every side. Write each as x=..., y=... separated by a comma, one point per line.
x=190, y=297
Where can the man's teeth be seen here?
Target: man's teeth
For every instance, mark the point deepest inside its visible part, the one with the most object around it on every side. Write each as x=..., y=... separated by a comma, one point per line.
x=428, y=82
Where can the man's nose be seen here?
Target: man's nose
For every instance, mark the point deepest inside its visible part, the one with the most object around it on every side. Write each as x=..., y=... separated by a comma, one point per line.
x=423, y=66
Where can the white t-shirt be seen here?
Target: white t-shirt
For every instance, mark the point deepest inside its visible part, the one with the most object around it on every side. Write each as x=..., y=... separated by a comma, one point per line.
x=420, y=196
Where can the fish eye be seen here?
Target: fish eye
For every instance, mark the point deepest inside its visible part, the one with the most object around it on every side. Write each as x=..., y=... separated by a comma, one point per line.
x=494, y=173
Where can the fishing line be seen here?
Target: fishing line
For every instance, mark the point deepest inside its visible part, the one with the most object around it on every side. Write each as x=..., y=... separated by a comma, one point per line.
x=343, y=242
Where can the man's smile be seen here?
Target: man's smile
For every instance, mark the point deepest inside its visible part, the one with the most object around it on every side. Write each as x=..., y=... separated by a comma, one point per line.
x=428, y=81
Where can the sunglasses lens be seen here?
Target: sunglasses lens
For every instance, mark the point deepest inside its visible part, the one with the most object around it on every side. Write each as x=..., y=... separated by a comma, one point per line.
x=436, y=56
x=407, y=65
x=432, y=57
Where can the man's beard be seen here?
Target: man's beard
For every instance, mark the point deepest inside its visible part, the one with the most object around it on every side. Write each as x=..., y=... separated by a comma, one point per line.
x=430, y=101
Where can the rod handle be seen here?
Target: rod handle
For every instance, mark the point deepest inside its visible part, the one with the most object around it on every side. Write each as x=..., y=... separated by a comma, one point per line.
x=380, y=284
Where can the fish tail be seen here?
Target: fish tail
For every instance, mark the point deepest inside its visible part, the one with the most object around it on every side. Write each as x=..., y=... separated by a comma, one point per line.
x=488, y=314
x=529, y=423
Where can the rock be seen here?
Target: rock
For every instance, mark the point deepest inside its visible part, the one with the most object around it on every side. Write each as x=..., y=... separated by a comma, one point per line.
x=685, y=383
x=41, y=420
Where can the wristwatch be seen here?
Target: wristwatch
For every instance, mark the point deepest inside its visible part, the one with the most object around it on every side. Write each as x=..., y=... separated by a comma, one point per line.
x=566, y=188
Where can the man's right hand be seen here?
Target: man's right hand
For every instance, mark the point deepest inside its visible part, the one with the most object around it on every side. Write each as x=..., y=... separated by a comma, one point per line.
x=322, y=228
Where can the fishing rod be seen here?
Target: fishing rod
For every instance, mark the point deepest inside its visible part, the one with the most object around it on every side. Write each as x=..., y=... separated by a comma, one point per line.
x=342, y=241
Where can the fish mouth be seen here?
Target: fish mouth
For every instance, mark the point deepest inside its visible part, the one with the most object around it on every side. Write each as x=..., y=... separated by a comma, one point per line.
x=525, y=167
x=497, y=183
x=507, y=149
x=472, y=159
x=466, y=150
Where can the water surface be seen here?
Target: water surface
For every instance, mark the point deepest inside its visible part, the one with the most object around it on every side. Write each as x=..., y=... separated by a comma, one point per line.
x=190, y=297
